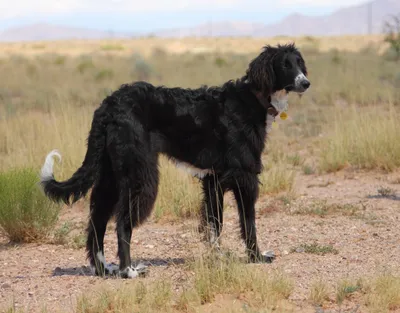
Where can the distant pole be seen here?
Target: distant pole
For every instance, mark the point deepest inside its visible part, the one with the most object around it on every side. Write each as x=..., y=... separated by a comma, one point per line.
x=370, y=18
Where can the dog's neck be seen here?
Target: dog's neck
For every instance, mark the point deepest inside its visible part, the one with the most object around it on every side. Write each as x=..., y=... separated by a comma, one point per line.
x=265, y=102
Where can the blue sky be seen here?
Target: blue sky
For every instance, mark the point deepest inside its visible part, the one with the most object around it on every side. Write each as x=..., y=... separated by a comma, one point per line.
x=145, y=16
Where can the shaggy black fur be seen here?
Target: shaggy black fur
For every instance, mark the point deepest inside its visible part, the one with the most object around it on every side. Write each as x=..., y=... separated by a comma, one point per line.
x=220, y=129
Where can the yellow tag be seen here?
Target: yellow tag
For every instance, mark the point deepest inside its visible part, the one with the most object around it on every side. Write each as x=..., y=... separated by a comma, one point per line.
x=274, y=124
x=283, y=116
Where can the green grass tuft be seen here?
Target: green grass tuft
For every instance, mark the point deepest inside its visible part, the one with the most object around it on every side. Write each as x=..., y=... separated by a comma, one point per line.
x=26, y=214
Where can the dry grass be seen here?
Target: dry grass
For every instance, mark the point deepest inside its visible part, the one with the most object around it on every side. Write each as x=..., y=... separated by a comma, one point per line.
x=322, y=208
x=363, y=138
x=136, y=297
x=228, y=275
x=277, y=178
x=319, y=292
x=179, y=194
x=195, y=45
x=315, y=248
x=384, y=295
x=212, y=276
x=26, y=215
x=345, y=289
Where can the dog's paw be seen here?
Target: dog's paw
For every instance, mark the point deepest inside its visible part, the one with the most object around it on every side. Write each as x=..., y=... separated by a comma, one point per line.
x=269, y=256
x=111, y=269
x=265, y=257
x=133, y=272
x=102, y=270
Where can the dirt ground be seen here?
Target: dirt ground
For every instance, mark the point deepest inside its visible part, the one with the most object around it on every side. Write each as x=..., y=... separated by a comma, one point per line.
x=53, y=276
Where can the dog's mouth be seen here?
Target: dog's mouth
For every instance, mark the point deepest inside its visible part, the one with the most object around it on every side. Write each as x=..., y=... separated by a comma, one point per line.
x=289, y=88
x=298, y=90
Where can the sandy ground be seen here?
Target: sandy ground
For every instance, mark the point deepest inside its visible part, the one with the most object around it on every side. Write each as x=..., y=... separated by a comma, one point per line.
x=53, y=276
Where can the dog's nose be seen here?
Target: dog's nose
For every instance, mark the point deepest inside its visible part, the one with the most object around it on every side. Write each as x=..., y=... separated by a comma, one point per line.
x=305, y=84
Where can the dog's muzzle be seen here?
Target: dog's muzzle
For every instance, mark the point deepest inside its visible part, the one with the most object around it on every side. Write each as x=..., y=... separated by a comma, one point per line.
x=301, y=83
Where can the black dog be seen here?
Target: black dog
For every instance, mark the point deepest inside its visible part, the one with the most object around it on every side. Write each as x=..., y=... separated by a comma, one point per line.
x=217, y=131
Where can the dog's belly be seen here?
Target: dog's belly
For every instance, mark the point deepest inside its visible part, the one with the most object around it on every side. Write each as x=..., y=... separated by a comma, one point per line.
x=194, y=154
x=192, y=170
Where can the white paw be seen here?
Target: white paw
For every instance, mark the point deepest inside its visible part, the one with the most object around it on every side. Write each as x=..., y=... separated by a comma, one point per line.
x=133, y=272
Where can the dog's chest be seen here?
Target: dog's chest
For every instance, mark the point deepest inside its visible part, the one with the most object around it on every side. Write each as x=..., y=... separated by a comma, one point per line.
x=270, y=121
x=192, y=170
x=279, y=100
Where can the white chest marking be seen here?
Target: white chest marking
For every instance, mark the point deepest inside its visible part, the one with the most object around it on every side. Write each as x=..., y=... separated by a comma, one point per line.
x=270, y=120
x=279, y=100
x=194, y=171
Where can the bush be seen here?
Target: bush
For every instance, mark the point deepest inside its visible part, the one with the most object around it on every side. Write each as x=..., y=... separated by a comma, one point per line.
x=392, y=35
x=26, y=214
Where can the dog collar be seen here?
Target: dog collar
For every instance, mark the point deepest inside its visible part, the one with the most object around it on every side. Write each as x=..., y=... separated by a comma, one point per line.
x=266, y=103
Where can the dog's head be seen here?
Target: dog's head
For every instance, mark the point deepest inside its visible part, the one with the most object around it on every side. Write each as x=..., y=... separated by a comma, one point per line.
x=278, y=68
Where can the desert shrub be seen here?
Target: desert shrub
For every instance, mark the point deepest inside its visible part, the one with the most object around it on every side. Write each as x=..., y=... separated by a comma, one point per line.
x=26, y=214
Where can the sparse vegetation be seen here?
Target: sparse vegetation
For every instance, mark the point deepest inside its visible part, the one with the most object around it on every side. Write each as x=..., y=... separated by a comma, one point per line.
x=384, y=295
x=277, y=178
x=346, y=289
x=392, y=31
x=227, y=275
x=112, y=47
x=308, y=169
x=315, y=248
x=319, y=292
x=26, y=215
x=322, y=208
x=386, y=192
x=136, y=297
x=364, y=140
x=213, y=276
x=179, y=194
x=61, y=233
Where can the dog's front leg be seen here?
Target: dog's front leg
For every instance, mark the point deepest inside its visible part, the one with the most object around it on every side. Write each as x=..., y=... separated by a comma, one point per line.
x=246, y=193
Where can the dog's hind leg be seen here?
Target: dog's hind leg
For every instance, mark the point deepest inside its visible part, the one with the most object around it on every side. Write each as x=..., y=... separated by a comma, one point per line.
x=212, y=210
x=245, y=189
x=136, y=167
x=104, y=196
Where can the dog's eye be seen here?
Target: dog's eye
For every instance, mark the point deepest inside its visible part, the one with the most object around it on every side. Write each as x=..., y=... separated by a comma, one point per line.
x=299, y=61
x=287, y=64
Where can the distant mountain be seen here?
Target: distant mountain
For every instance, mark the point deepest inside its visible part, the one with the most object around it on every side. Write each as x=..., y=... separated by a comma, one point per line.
x=346, y=21
x=220, y=29
x=39, y=32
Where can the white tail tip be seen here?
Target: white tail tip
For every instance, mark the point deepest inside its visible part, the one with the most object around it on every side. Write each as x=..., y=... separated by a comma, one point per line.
x=47, y=170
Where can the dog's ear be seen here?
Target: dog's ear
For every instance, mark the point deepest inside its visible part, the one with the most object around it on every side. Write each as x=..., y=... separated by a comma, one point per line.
x=260, y=73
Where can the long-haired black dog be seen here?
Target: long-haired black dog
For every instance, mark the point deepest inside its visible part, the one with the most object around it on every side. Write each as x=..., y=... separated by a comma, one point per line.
x=218, y=132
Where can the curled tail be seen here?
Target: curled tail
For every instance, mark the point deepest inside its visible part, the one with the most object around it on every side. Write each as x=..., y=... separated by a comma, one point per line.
x=83, y=179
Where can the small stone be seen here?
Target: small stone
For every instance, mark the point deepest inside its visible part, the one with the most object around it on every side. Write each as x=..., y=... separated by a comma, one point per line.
x=300, y=250
x=5, y=286
x=149, y=246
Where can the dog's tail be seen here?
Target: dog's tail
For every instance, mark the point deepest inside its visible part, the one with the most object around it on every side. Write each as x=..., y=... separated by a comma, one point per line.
x=82, y=180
